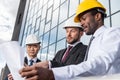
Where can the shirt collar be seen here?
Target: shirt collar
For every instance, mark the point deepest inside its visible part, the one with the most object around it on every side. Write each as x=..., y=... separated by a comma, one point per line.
x=74, y=44
x=99, y=31
x=34, y=59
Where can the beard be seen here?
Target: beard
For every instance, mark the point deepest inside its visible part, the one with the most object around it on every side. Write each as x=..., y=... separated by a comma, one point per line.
x=73, y=41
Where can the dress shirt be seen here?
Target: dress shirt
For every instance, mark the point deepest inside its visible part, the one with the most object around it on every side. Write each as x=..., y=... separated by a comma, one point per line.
x=103, y=57
x=34, y=59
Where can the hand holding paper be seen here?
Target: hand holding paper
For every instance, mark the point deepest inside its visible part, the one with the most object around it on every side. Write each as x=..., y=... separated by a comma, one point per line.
x=14, y=56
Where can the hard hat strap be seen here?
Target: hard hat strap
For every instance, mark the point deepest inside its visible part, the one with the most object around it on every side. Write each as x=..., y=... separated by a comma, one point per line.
x=99, y=10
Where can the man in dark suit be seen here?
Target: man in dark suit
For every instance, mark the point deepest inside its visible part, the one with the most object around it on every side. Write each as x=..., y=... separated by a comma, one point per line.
x=76, y=54
x=32, y=48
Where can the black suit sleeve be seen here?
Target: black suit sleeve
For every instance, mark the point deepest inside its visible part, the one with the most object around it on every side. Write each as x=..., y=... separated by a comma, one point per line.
x=56, y=62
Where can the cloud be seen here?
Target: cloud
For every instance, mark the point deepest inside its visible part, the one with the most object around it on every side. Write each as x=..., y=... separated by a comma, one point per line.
x=10, y=5
x=8, y=12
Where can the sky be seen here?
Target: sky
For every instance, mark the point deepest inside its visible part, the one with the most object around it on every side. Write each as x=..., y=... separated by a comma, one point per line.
x=8, y=13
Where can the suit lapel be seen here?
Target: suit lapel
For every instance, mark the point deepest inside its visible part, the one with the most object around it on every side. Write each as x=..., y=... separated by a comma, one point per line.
x=26, y=60
x=38, y=60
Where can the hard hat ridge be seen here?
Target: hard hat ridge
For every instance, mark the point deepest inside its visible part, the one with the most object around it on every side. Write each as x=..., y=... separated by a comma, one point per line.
x=70, y=23
x=32, y=39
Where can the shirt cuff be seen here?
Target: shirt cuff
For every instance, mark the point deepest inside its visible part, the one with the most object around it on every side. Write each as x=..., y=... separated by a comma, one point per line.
x=49, y=66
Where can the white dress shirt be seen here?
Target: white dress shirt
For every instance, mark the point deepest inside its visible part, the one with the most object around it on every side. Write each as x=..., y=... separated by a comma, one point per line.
x=34, y=59
x=103, y=57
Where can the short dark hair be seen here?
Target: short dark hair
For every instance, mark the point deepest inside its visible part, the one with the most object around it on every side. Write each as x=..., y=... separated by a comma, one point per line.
x=81, y=29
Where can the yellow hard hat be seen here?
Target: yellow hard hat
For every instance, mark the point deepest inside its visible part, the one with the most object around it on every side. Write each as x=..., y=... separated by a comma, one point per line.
x=87, y=5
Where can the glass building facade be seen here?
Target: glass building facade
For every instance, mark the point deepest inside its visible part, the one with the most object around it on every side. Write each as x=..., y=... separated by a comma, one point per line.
x=46, y=18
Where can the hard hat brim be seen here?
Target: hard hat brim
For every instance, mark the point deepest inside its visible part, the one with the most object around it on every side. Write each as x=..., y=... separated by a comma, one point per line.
x=33, y=43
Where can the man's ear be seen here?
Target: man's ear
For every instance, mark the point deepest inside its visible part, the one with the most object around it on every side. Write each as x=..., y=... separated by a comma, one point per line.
x=98, y=16
x=81, y=33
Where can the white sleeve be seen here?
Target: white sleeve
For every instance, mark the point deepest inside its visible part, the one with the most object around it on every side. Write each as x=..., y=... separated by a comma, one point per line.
x=99, y=65
x=49, y=65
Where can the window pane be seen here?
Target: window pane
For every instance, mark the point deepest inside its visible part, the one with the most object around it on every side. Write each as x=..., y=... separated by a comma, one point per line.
x=42, y=27
x=41, y=39
x=50, y=3
x=107, y=22
x=23, y=41
x=49, y=13
x=36, y=7
x=53, y=35
x=115, y=5
x=30, y=22
x=56, y=3
x=45, y=40
x=61, y=45
x=73, y=7
x=47, y=27
x=40, y=3
x=38, y=13
x=36, y=32
x=32, y=31
x=55, y=18
x=34, y=21
x=116, y=20
x=44, y=54
x=45, y=1
x=51, y=52
x=37, y=23
x=62, y=1
x=61, y=31
x=29, y=29
x=63, y=12
x=44, y=11
x=105, y=3
x=26, y=28
x=31, y=12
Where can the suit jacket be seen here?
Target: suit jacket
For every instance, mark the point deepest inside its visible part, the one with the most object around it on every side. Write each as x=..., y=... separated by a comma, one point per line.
x=26, y=60
x=75, y=56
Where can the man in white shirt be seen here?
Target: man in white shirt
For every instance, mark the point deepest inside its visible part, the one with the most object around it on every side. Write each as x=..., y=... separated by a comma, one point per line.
x=104, y=51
